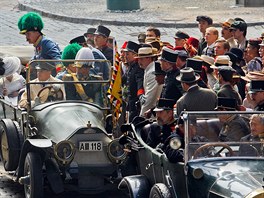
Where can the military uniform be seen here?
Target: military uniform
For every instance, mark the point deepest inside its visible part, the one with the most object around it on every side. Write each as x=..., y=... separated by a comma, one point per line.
x=244, y=148
x=93, y=92
x=135, y=78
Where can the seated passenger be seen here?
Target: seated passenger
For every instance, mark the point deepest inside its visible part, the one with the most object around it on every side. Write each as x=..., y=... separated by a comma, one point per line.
x=165, y=121
x=86, y=92
x=43, y=75
x=12, y=82
x=233, y=125
x=256, y=135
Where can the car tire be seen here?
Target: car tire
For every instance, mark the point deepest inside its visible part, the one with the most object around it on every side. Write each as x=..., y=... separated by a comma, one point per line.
x=159, y=190
x=10, y=144
x=33, y=170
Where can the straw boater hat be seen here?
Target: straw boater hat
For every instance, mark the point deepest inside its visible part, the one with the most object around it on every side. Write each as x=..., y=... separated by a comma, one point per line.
x=187, y=75
x=228, y=22
x=9, y=66
x=221, y=61
x=145, y=52
x=30, y=22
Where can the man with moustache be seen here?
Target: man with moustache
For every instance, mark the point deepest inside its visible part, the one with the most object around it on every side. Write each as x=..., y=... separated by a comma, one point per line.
x=31, y=26
x=227, y=34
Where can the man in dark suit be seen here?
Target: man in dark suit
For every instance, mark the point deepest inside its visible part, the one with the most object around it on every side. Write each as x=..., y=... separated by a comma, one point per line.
x=196, y=98
x=100, y=39
x=257, y=94
x=134, y=79
x=172, y=88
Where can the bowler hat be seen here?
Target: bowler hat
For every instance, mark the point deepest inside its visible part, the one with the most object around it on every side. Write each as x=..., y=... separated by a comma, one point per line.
x=187, y=75
x=43, y=65
x=226, y=71
x=194, y=63
x=145, y=52
x=181, y=35
x=9, y=66
x=80, y=40
x=208, y=19
x=132, y=47
x=238, y=52
x=226, y=103
x=158, y=70
x=241, y=25
x=168, y=55
x=232, y=57
x=102, y=30
x=256, y=86
x=89, y=31
x=164, y=104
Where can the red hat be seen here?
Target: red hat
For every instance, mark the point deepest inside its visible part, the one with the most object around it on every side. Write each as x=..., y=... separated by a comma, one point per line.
x=193, y=41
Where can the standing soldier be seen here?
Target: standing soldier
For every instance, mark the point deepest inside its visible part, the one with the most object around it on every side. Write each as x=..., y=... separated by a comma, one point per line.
x=135, y=77
x=31, y=26
x=172, y=88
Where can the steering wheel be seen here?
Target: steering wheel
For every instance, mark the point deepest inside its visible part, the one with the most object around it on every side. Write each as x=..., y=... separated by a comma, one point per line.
x=208, y=145
x=50, y=93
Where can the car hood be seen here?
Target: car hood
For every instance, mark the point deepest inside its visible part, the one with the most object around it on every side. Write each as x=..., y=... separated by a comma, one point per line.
x=225, y=177
x=60, y=121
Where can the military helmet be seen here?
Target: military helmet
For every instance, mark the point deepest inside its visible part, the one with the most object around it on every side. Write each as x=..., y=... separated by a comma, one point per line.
x=30, y=22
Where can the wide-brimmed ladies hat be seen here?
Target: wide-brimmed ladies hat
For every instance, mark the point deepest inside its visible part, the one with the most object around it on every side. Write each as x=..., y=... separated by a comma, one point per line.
x=9, y=66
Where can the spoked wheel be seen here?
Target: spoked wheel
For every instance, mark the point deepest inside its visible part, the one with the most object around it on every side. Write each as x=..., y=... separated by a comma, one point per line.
x=159, y=190
x=10, y=144
x=33, y=177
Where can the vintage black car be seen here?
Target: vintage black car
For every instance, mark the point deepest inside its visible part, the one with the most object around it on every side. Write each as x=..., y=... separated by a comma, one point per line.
x=57, y=141
x=211, y=168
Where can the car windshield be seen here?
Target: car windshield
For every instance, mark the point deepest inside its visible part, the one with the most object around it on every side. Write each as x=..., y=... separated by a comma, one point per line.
x=55, y=80
x=223, y=134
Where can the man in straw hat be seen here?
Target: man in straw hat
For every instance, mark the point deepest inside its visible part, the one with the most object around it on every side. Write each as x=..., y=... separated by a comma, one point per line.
x=196, y=98
x=227, y=34
x=31, y=26
x=152, y=89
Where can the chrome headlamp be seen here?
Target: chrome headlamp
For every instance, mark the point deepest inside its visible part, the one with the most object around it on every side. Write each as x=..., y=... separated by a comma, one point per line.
x=116, y=151
x=175, y=143
x=64, y=151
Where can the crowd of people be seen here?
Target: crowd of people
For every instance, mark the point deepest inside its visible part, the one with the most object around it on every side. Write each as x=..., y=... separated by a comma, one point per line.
x=192, y=73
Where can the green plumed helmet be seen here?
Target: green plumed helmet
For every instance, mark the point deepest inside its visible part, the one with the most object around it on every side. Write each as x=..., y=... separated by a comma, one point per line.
x=30, y=22
x=70, y=52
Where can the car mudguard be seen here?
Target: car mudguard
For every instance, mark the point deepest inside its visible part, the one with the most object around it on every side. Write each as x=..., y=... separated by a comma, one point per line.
x=32, y=145
x=137, y=185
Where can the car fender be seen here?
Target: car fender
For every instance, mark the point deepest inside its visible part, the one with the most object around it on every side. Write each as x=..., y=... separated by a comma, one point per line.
x=32, y=145
x=137, y=185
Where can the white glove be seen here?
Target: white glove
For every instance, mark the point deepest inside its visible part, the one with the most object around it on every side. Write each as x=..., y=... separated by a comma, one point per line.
x=142, y=99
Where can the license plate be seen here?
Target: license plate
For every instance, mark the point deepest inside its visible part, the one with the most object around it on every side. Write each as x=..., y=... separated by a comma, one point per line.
x=91, y=146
